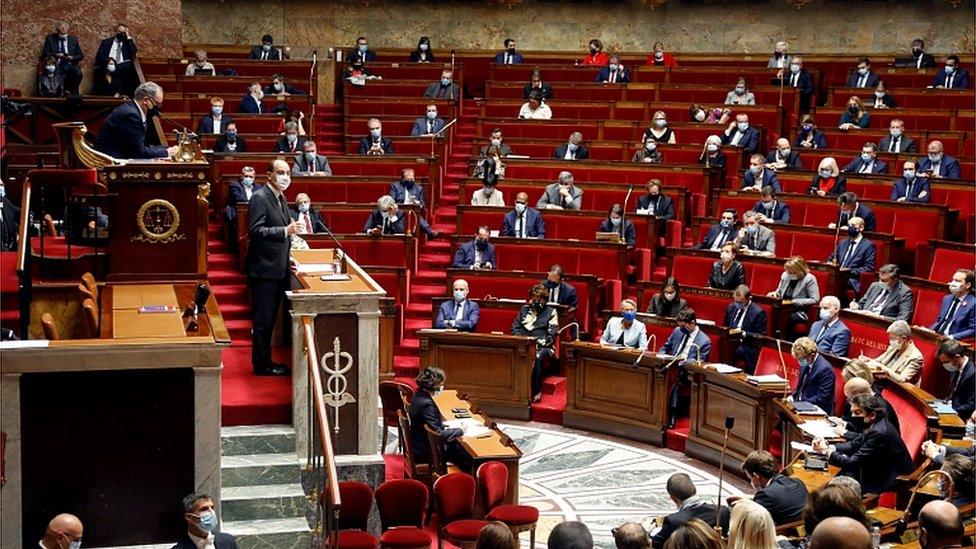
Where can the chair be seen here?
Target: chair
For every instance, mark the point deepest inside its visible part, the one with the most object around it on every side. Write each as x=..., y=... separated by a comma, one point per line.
x=493, y=482
x=89, y=281
x=438, y=465
x=411, y=469
x=50, y=329
x=86, y=293
x=393, y=396
x=401, y=504
x=357, y=501
x=91, y=317
x=454, y=494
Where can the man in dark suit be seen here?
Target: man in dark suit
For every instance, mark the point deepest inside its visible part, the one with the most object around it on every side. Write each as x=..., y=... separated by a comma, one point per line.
x=375, y=143
x=251, y=102
x=408, y=191
x=830, y=333
x=216, y=122
x=445, y=88
x=309, y=162
x=266, y=51
x=562, y=195
x=655, y=202
x=868, y=162
x=758, y=176
x=429, y=125
x=863, y=76
x=614, y=73
x=741, y=134
x=783, y=496
x=523, y=221
x=201, y=523
x=64, y=47
x=851, y=207
x=783, y=157
x=957, y=314
x=123, y=134
x=280, y=87
x=560, y=291
x=573, y=149
x=854, y=254
x=799, y=78
x=910, y=187
x=889, y=297
x=478, y=254
x=9, y=221
x=896, y=141
x=122, y=49
x=510, y=56
x=919, y=59
x=537, y=86
x=496, y=141
x=459, y=313
x=267, y=266
x=361, y=52
x=937, y=164
x=311, y=221
x=230, y=142
x=770, y=209
x=962, y=385
x=815, y=382
x=683, y=493
x=385, y=219
x=720, y=233
x=538, y=320
x=240, y=191
x=291, y=142
x=745, y=317
x=952, y=76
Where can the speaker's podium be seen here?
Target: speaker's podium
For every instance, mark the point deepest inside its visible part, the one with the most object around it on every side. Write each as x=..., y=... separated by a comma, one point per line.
x=112, y=411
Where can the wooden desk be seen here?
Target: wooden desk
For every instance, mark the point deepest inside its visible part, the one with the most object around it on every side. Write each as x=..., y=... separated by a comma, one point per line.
x=607, y=395
x=495, y=447
x=789, y=422
x=494, y=368
x=121, y=319
x=812, y=479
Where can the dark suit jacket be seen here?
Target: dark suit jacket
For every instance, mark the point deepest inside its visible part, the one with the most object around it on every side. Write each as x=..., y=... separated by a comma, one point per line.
x=920, y=184
x=567, y=293
x=673, y=344
x=804, y=81
x=52, y=47
x=301, y=165
x=235, y=195
x=399, y=193
x=705, y=511
x=464, y=256
x=754, y=321
x=420, y=126
x=283, y=146
x=545, y=327
x=287, y=88
x=535, y=227
x=865, y=213
x=948, y=167
x=875, y=457
x=780, y=213
x=898, y=303
x=783, y=497
x=792, y=160
x=516, y=58
x=221, y=541
x=545, y=90
x=928, y=61
x=422, y=412
x=123, y=135
x=819, y=139
x=582, y=153
x=905, y=144
x=375, y=219
x=749, y=142
x=366, y=143
x=11, y=224
x=206, y=125
x=769, y=179
x=861, y=260
x=451, y=92
x=369, y=57
x=718, y=161
x=960, y=79
x=713, y=233
x=728, y=280
x=318, y=224
x=663, y=209
x=273, y=55
x=839, y=188
x=872, y=79
x=249, y=105
x=101, y=86
x=415, y=56
x=855, y=166
x=623, y=75
x=629, y=232
x=816, y=385
x=129, y=51
x=963, y=324
x=835, y=340
x=469, y=317
x=221, y=145
x=964, y=397
x=267, y=253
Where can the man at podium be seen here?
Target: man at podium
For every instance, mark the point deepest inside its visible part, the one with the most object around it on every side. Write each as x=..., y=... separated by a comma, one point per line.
x=123, y=134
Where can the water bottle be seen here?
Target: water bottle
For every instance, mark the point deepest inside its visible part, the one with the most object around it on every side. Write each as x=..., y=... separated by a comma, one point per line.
x=336, y=261
x=875, y=537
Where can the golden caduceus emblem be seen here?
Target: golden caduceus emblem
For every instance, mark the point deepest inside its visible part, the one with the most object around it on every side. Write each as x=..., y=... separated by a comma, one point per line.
x=158, y=221
x=335, y=387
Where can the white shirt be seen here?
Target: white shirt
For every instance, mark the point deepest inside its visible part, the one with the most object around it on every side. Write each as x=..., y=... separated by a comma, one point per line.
x=203, y=543
x=683, y=351
x=248, y=191
x=736, y=138
x=116, y=52
x=216, y=124
x=542, y=113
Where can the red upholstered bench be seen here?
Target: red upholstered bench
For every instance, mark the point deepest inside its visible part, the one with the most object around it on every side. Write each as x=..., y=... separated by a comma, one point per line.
x=912, y=419
x=945, y=261
x=388, y=106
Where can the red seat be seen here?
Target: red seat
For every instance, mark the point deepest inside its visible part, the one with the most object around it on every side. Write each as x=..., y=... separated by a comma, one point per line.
x=454, y=494
x=355, y=539
x=357, y=502
x=493, y=481
x=405, y=537
x=911, y=421
x=401, y=504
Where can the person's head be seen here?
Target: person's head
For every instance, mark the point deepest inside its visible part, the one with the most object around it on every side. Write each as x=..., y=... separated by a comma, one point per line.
x=447, y=76
x=536, y=77
x=855, y=226
x=628, y=309
x=698, y=112
x=679, y=486
x=951, y=354
x=535, y=100
x=750, y=220
x=727, y=252
x=362, y=44
x=896, y=127
x=742, y=294
x=303, y=202
x=935, y=149
x=538, y=296
x=423, y=44
x=654, y=187
x=756, y=163
x=807, y=123
x=751, y=527
x=889, y=274
x=201, y=57
x=909, y=169
x=694, y=534
x=857, y=369
x=713, y=143
x=521, y=202
x=804, y=350
x=828, y=167
x=575, y=139
x=880, y=90
x=121, y=31
x=868, y=406
x=854, y=104
x=496, y=535
x=62, y=27
x=863, y=65
x=741, y=87
x=742, y=121
x=631, y=535
x=796, y=63
x=727, y=219
x=199, y=514
x=216, y=105
x=278, y=82
x=829, y=307
x=308, y=147
x=279, y=175
x=556, y=273
x=961, y=282
x=869, y=151
x=248, y=171
x=658, y=49
x=918, y=46
x=596, y=46
x=845, y=481
x=431, y=379
x=496, y=137
x=431, y=111
x=483, y=235
x=899, y=335
x=951, y=63
x=939, y=525
x=565, y=179
x=267, y=41
x=960, y=470
x=50, y=64
x=614, y=60
x=460, y=289
x=615, y=214
x=254, y=89
x=847, y=202
x=570, y=535
x=833, y=500
x=781, y=47
x=148, y=95
x=840, y=533
x=64, y=532
x=387, y=206
x=660, y=119
x=856, y=386
x=796, y=266
x=510, y=44
x=783, y=146
x=760, y=466
x=408, y=174
x=375, y=127
x=670, y=288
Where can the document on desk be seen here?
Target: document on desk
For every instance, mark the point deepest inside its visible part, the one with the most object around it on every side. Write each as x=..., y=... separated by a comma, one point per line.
x=942, y=407
x=817, y=428
x=726, y=369
x=800, y=447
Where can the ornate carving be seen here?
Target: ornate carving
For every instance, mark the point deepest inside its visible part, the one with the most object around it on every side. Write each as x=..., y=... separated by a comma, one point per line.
x=135, y=175
x=335, y=386
x=654, y=4
x=203, y=189
x=798, y=4
x=180, y=175
x=158, y=221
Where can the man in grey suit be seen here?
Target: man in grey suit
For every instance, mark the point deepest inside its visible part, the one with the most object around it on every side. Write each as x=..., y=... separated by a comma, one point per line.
x=429, y=125
x=310, y=163
x=896, y=141
x=888, y=297
x=563, y=195
x=754, y=237
x=445, y=88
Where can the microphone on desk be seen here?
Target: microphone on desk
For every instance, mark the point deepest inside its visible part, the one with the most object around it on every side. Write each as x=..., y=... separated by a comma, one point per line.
x=782, y=361
x=729, y=423
x=837, y=259
x=198, y=306
x=338, y=253
x=575, y=334
x=902, y=523
x=180, y=127
x=623, y=215
x=653, y=338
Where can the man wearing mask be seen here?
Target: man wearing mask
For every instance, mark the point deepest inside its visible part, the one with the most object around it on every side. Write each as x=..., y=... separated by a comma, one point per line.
x=758, y=176
x=770, y=209
x=200, y=67
x=238, y=192
x=251, y=102
x=408, y=191
x=952, y=76
x=560, y=291
x=962, y=377
x=816, y=380
x=919, y=59
x=901, y=361
x=523, y=221
x=309, y=220
x=445, y=88
x=291, y=142
x=309, y=162
x=896, y=141
x=889, y=297
x=868, y=162
x=562, y=195
x=720, y=233
x=782, y=157
x=795, y=76
x=741, y=134
x=230, y=142
x=64, y=48
x=429, y=125
x=201, y=525
x=863, y=76
x=687, y=343
x=937, y=164
x=459, y=313
x=830, y=333
x=910, y=187
x=361, y=52
x=615, y=73
x=573, y=149
x=854, y=254
x=754, y=238
x=655, y=202
x=497, y=140
x=267, y=265
x=280, y=87
x=123, y=134
x=385, y=219
x=476, y=255
x=539, y=320
x=510, y=56
x=122, y=49
x=375, y=144
x=850, y=207
x=957, y=314
x=780, y=59
x=745, y=317
x=216, y=122
x=63, y=532
x=537, y=86
x=265, y=51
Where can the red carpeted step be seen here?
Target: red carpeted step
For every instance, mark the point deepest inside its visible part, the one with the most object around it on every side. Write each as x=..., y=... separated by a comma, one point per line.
x=427, y=290
x=416, y=324
x=239, y=329
x=553, y=385
x=222, y=262
x=418, y=309
x=409, y=346
x=247, y=399
x=676, y=438
x=231, y=293
x=232, y=311
x=422, y=276
x=220, y=276
x=550, y=408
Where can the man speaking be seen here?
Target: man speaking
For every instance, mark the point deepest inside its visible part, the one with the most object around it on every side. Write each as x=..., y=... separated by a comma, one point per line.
x=123, y=134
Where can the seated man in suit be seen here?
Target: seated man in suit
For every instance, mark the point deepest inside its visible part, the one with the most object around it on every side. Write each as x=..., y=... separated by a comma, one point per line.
x=755, y=238
x=962, y=377
x=655, y=203
x=687, y=343
x=573, y=149
x=265, y=51
x=291, y=142
x=445, y=88
x=889, y=297
x=200, y=66
x=478, y=254
x=121, y=48
x=759, y=176
x=684, y=495
x=230, y=142
x=560, y=291
x=863, y=76
x=919, y=59
x=625, y=330
x=910, y=187
x=815, y=381
x=251, y=102
x=741, y=134
x=855, y=254
x=851, y=207
x=240, y=191
x=783, y=496
x=770, y=209
x=952, y=76
x=280, y=87
x=896, y=141
x=537, y=319
x=742, y=315
x=830, y=333
x=868, y=162
x=408, y=191
x=718, y=235
x=309, y=220
x=937, y=164
x=385, y=219
x=459, y=313
x=562, y=195
x=783, y=157
x=200, y=515
x=957, y=314
x=215, y=122
x=523, y=221
x=430, y=125
x=846, y=426
x=901, y=361
x=309, y=162
x=504, y=149
x=361, y=53
x=614, y=73
x=509, y=56
x=123, y=133
x=423, y=413
x=375, y=144
x=64, y=48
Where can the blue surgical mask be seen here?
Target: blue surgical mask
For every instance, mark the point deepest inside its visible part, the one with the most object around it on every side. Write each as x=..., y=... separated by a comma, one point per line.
x=573, y=147
x=50, y=68
x=432, y=115
x=824, y=314
x=743, y=126
x=807, y=127
x=752, y=229
x=909, y=174
x=826, y=174
x=375, y=132
x=208, y=521
x=740, y=90
x=310, y=155
x=650, y=145
x=804, y=363
x=303, y=207
x=725, y=223
x=866, y=157
x=445, y=81
x=247, y=181
x=615, y=221
x=794, y=68
x=519, y=207
x=423, y=47
x=363, y=47
x=292, y=137
x=862, y=72
x=75, y=545
x=266, y=47
x=216, y=110
x=970, y=430
x=755, y=169
x=459, y=295
x=629, y=316
x=950, y=69
x=935, y=157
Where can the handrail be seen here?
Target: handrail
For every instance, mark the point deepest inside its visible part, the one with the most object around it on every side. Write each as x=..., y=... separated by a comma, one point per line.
x=321, y=458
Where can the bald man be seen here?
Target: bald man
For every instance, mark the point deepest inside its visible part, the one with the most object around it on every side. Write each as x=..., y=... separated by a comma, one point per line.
x=939, y=525
x=859, y=386
x=840, y=533
x=63, y=532
x=631, y=535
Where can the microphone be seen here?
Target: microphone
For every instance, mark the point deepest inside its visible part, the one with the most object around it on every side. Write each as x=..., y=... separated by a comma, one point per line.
x=177, y=125
x=576, y=333
x=782, y=361
x=198, y=305
x=837, y=259
x=653, y=338
x=729, y=423
x=623, y=215
x=902, y=523
x=338, y=252
x=698, y=360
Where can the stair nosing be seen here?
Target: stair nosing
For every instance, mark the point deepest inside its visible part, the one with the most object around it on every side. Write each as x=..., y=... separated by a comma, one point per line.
x=240, y=493
x=247, y=527
x=264, y=460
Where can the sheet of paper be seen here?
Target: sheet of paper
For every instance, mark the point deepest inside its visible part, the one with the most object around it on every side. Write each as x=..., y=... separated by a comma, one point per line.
x=768, y=378
x=463, y=423
x=314, y=267
x=817, y=428
x=726, y=369
x=477, y=431
x=943, y=407
x=800, y=447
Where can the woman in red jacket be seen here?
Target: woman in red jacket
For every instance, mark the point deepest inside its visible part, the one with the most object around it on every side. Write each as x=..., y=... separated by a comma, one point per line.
x=596, y=57
x=658, y=58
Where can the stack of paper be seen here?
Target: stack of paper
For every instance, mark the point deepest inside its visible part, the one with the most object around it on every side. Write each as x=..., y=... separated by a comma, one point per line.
x=726, y=369
x=477, y=431
x=769, y=381
x=463, y=423
x=817, y=428
x=800, y=447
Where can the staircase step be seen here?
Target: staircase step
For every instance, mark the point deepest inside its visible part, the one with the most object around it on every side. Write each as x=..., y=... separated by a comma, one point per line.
x=260, y=469
x=262, y=502
x=257, y=439
x=285, y=532
x=417, y=290
x=553, y=385
x=417, y=309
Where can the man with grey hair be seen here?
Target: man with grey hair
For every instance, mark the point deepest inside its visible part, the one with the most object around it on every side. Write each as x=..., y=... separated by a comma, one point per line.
x=385, y=219
x=124, y=132
x=889, y=297
x=200, y=66
x=755, y=238
x=854, y=254
x=631, y=535
x=830, y=333
x=64, y=47
x=291, y=142
x=848, y=482
x=375, y=144
x=572, y=150
x=309, y=162
x=562, y=195
x=780, y=59
x=901, y=361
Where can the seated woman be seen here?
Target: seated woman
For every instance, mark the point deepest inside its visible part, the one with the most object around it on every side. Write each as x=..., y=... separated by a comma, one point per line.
x=809, y=137
x=660, y=58
x=422, y=54
x=614, y=223
x=537, y=319
x=423, y=411
x=50, y=83
x=669, y=301
x=828, y=181
x=740, y=95
x=901, y=361
x=596, y=57
x=704, y=115
x=727, y=273
x=200, y=66
x=799, y=288
x=535, y=108
x=882, y=100
x=648, y=154
x=659, y=129
x=712, y=154
x=537, y=85
x=106, y=82
x=855, y=118
x=491, y=167
x=625, y=330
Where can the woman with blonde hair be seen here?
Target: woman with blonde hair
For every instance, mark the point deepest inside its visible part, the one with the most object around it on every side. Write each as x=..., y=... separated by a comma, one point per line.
x=828, y=180
x=694, y=534
x=751, y=527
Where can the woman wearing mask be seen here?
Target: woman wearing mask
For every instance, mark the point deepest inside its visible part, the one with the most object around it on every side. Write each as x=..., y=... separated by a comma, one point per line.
x=799, y=288
x=50, y=83
x=703, y=115
x=828, y=181
x=659, y=58
x=669, y=301
x=659, y=129
x=615, y=223
x=423, y=412
x=712, y=155
x=596, y=57
x=648, y=154
x=423, y=53
x=855, y=118
x=740, y=95
x=625, y=330
x=881, y=98
x=727, y=273
x=537, y=319
x=491, y=168
x=106, y=82
x=809, y=137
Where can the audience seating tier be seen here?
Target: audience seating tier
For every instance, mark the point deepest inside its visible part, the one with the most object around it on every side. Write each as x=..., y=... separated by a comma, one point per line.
x=909, y=97
x=695, y=179
x=943, y=258
x=294, y=70
x=600, y=259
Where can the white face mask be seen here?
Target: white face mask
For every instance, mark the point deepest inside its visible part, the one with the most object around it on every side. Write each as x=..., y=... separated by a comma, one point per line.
x=954, y=286
x=283, y=181
x=519, y=207
x=726, y=256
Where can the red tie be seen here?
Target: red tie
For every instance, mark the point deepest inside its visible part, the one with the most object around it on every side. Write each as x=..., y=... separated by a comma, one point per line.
x=308, y=224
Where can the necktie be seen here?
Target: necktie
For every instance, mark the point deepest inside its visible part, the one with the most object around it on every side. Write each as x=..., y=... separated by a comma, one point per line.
x=520, y=227
x=860, y=82
x=893, y=358
x=613, y=77
x=508, y=59
x=719, y=240
x=878, y=303
x=311, y=166
x=264, y=56
x=554, y=295
x=458, y=310
x=119, y=56
x=308, y=223
x=386, y=224
x=820, y=335
x=908, y=190
x=894, y=145
x=955, y=383
x=739, y=317
x=284, y=206
x=430, y=127
x=948, y=82
x=64, y=46
x=801, y=382
x=850, y=251
x=943, y=327
x=793, y=80
x=866, y=167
